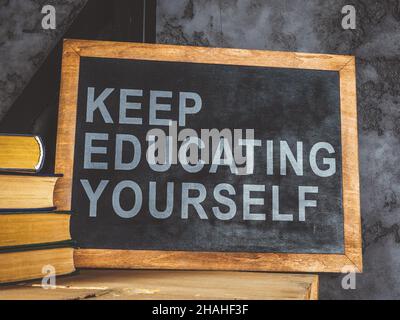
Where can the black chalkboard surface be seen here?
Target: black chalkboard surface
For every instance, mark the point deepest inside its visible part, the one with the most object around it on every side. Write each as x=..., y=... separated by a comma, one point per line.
x=272, y=181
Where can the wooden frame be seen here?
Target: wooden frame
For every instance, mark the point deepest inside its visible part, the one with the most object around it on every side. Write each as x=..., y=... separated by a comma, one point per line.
x=154, y=259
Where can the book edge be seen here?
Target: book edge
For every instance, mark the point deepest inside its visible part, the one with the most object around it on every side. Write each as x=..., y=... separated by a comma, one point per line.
x=24, y=173
x=38, y=246
x=33, y=211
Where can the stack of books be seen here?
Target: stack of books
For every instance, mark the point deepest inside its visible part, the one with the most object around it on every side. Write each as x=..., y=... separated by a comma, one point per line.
x=34, y=238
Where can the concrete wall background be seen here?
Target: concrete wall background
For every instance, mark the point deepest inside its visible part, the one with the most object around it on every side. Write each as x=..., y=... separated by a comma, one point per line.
x=298, y=25
x=315, y=26
x=24, y=44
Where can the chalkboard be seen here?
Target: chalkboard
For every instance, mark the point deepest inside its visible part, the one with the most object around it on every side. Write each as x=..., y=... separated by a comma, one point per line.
x=199, y=158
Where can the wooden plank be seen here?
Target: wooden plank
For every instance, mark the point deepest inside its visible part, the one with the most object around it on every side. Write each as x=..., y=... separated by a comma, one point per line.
x=149, y=15
x=243, y=57
x=350, y=166
x=128, y=20
x=171, y=285
x=191, y=260
x=66, y=127
x=29, y=292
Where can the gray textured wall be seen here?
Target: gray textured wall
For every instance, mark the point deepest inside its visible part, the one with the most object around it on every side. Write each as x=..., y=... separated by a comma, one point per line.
x=24, y=44
x=315, y=26
x=299, y=25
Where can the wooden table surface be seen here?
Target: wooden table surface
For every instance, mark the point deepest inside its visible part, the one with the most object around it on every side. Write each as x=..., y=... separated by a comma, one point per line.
x=154, y=284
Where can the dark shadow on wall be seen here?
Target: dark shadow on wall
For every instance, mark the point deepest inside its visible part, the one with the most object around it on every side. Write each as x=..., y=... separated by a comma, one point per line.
x=36, y=109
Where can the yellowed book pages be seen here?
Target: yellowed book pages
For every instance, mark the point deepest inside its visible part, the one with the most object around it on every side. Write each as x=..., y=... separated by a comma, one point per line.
x=25, y=265
x=33, y=228
x=25, y=191
x=20, y=152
